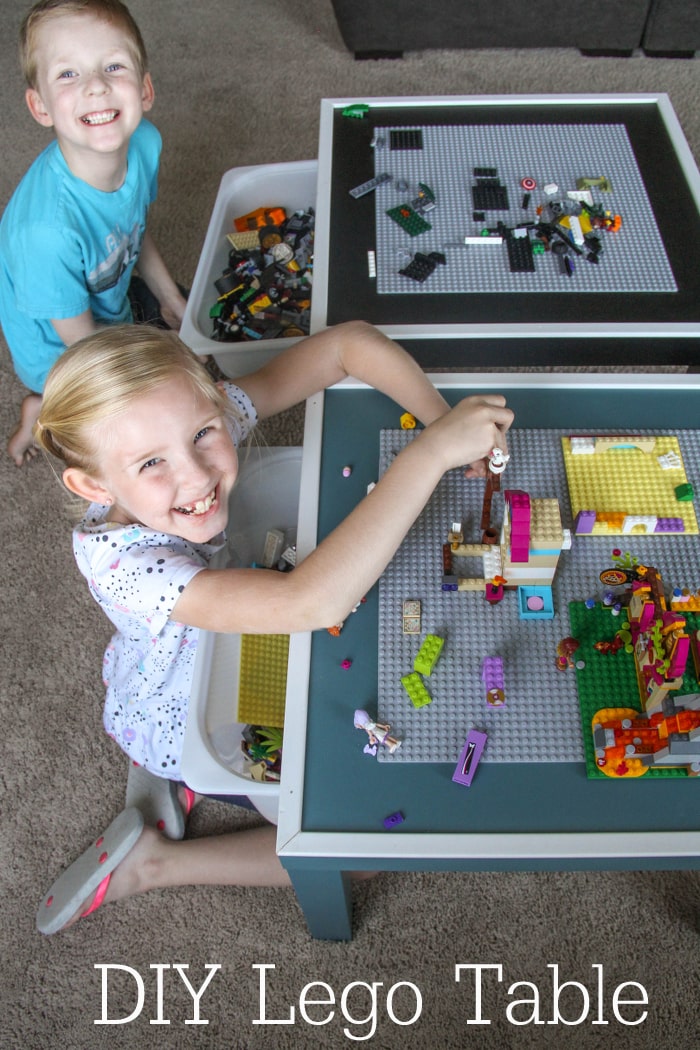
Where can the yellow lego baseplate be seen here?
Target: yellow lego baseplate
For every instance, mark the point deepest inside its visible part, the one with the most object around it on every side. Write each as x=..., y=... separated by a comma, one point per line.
x=262, y=684
x=623, y=482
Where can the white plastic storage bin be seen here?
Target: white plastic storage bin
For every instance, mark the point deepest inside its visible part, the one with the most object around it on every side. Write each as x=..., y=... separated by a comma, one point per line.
x=292, y=186
x=265, y=496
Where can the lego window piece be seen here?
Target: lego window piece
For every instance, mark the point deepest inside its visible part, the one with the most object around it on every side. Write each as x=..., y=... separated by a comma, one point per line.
x=411, y=617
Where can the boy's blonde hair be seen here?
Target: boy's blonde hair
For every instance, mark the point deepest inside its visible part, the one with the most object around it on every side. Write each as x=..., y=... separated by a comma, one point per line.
x=108, y=10
x=101, y=375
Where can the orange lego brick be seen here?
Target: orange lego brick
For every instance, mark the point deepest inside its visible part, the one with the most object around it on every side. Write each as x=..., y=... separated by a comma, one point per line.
x=253, y=220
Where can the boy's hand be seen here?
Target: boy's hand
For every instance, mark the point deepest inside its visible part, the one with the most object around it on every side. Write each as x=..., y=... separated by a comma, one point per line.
x=466, y=434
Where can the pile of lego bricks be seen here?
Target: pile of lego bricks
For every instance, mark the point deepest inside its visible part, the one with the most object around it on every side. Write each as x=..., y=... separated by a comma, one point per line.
x=265, y=292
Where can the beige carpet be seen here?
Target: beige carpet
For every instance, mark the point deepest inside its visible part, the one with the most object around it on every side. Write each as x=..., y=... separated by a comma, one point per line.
x=239, y=83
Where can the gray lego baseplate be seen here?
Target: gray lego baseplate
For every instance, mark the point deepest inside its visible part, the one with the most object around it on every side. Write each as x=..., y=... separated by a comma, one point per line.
x=539, y=720
x=444, y=159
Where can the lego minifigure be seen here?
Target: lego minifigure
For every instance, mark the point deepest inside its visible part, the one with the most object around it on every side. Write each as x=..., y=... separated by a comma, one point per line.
x=498, y=460
x=378, y=733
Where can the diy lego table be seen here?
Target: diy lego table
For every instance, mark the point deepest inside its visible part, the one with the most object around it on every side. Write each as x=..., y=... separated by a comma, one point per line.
x=511, y=230
x=537, y=811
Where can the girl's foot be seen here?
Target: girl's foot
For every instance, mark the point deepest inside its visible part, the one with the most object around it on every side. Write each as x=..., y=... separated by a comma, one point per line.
x=93, y=878
x=165, y=804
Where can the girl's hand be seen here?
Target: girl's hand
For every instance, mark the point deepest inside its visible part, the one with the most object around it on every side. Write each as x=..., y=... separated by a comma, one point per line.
x=467, y=433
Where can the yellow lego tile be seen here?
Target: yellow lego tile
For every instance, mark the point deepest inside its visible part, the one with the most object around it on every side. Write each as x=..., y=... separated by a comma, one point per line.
x=262, y=683
x=627, y=481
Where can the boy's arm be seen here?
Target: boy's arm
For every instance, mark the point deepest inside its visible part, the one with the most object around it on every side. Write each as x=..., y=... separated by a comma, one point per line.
x=157, y=276
x=352, y=349
x=70, y=329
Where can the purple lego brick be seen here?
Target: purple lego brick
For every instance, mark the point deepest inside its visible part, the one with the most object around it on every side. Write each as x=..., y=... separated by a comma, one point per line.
x=585, y=520
x=669, y=525
x=492, y=672
x=469, y=759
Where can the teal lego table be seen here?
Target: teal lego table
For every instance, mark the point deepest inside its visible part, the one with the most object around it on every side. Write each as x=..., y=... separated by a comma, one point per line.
x=525, y=815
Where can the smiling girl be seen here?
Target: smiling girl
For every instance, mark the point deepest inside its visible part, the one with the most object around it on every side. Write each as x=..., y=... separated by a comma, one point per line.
x=150, y=442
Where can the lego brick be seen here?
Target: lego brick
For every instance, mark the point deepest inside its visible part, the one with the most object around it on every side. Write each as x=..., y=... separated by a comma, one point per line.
x=406, y=139
x=408, y=219
x=427, y=655
x=520, y=257
x=417, y=693
x=371, y=184
x=469, y=758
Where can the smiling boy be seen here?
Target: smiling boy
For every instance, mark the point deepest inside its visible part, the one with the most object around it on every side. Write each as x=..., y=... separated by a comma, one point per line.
x=75, y=227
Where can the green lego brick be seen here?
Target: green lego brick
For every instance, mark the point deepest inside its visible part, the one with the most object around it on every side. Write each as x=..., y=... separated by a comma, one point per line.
x=427, y=655
x=417, y=693
x=409, y=220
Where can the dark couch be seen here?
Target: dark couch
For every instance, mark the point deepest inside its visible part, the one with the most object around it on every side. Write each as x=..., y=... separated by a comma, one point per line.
x=673, y=28
x=377, y=28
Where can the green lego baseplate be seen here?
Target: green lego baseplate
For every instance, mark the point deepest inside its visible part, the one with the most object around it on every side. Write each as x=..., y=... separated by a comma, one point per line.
x=609, y=680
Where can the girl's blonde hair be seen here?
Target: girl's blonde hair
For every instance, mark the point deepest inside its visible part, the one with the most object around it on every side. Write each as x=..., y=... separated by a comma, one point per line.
x=101, y=375
x=108, y=10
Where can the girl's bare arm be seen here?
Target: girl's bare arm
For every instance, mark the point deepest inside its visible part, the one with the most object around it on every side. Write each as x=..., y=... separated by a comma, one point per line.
x=352, y=349
x=324, y=587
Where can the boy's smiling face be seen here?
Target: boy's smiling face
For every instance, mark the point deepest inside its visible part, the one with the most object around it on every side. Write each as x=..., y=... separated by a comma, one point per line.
x=91, y=90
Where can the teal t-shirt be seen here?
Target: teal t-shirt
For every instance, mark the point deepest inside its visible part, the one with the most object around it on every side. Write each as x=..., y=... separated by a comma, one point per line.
x=66, y=247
